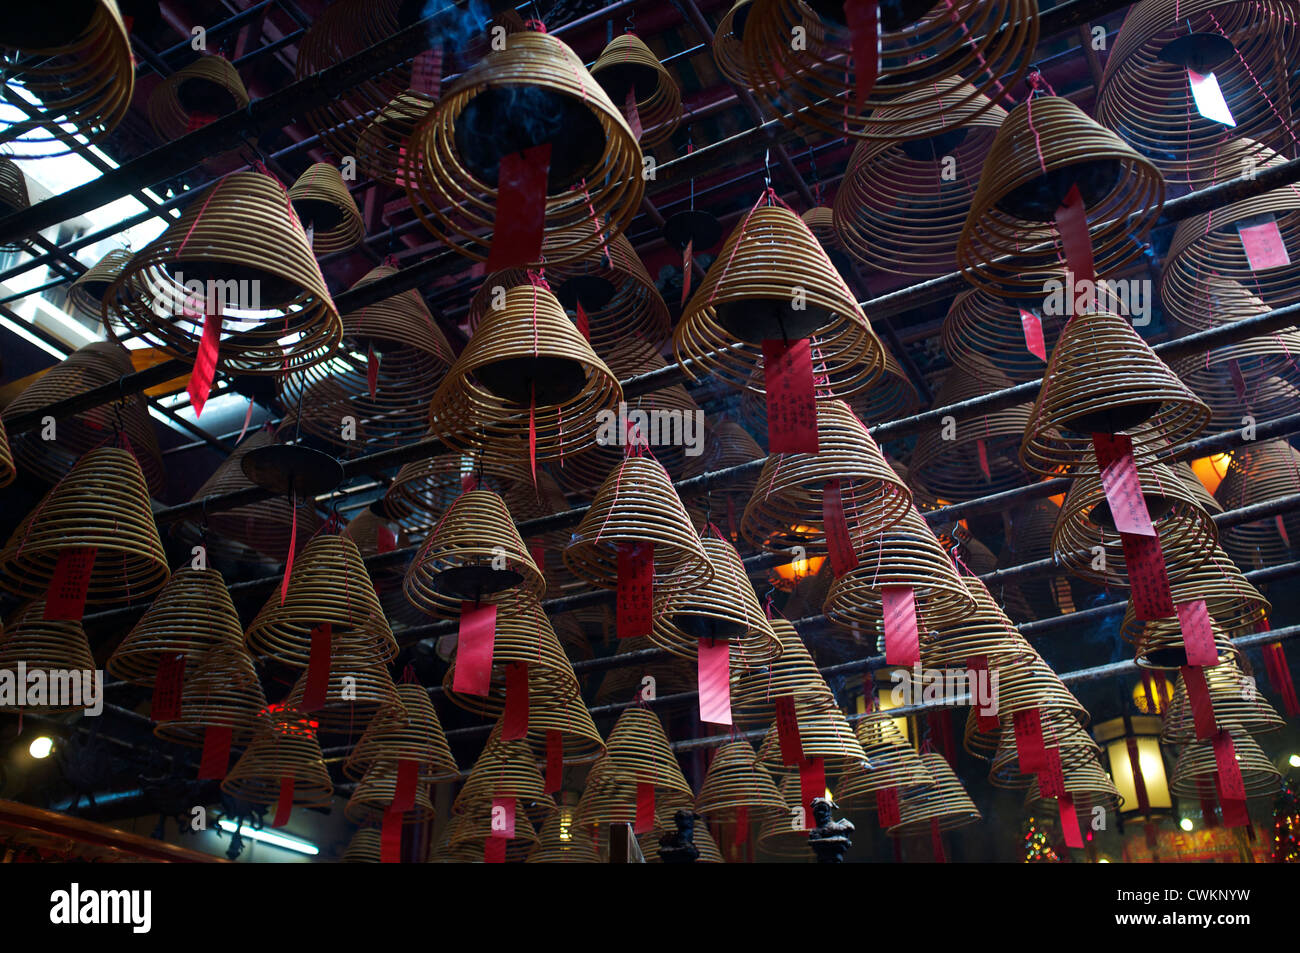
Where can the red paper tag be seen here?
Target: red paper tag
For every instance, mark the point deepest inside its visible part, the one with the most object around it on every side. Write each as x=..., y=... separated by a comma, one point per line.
x=584, y=325
x=1238, y=381
x=978, y=664
x=632, y=113
x=843, y=557
x=1033, y=326
x=1198, y=698
x=1069, y=821
x=1281, y=530
x=514, y=723
x=787, y=731
x=1231, y=785
x=65, y=598
x=198, y=120
x=408, y=772
x=1119, y=479
x=554, y=760
x=887, y=812
x=812, y=784
x=936, y=842
x=372, y=369
x=216, y=753
x=503, y=818
x=318, y=668
x=714, y=668
x=293, y=544
x=385, y=539
x=1051, y=780
x=863, y=20
x=791, y=399
x=1198, y=637
x=284, y=805
x=635, y=596
x=521, y=208
x=390, y=837
x=1029, y=742
x=168, y=683
x=478, y=627
x=426, y=73
x=902, y=645
x=982, y=453
x=494, y=850
x=742, y=824
x=1147, y=578
x=687, y=270
x=1209, y=98
x=205, y=363
x=645, y=808
x=1264, y=246
x=1139, y=782
x=1072, y=223
x=1279, y=676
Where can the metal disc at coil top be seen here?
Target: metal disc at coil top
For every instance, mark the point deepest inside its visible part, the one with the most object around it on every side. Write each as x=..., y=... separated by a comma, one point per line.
x=699, y=228
x=282, y=467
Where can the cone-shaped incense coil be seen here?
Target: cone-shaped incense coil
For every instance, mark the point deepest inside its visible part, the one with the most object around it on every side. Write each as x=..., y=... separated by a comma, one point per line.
x=94, y=365
x=411, y=732
x=285, y=747
x=469, y=832
x=904, y=197
x=238, y=249
x=1162, y=644
x=1187, y=533
x=1060, y=729
x=381, y=146
x=533, y=91
x=944, y=802
x=1103, y=378
x=754, y=695
x=1258, y=377
x=891, y=763
x=785, y=835
x=1032, y=683
x=7, y=471
x=985, y=632
x=526, y=362
x=580, y=741
x=373, y=796
x=1088, y=785
x=823, y=733
x=670, y=673
x=221, y=690
x=637, y=503
x=1028, y=538
x=704, y=842
x=358, y=688
x=1046, y=146
x=474, y=554
x=984, y=329
x=1232, y=602
x=726, y=445
x=324, y=205
x=13, y=195
x=1260, y=472
x=87, y=293
x=505, y=769
x=48, y=646
x=772, y=280
x=103, y=504
x=561, y=841
x=366, y=847
x=81, y=71
x=422, y=490
x=207, y=89
x=191, y=614
x=1183, y=470
x=609, y=797
x=630, y=73
x=1197, y=764
x=328, y=584
x=786, y=508
x=1233, y=698
x=1145, y=95
x=728, y=51
x=736, y=781
x=637, y=752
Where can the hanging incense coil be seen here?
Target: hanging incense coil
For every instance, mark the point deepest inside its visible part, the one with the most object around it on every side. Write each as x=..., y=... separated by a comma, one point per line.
x=505, y=769
x=608, y=797
x=102, y=504
x=328, y=584
x=979, y=455
x=526, y=386
x=190, y=615
x=823, y=733
x=772, y=280
x=726, y=445
x=630, y=73
x=944, y=803
x=1103, y=378
x=1027, y=537
x=786, y=508
x=728, y=50
x=77, y=63
x=638, y=504
x=670, y=675
x=782, y=835
x=905, y=195
x=381, y=145
x=7, y=470
x=357, y=690
x=637, y=752
x=985, y=632
x=736, y=782
x=86, y=294
x=1088, y=786
x=195, y=95
x=533, y=92
x=906, y=554
x=324, y=205
x=285, y=747
x=664, y=825
x=408, y=732
x=240, y=240
x=88, y=367
x=723, y=608
x=560, y=841
x=470, y=831
x=1045, y=146
x=1258, y=377
x=1197, y=763
x=1161, y=644
x=43, y=645
x=1023, y=685
x=221, y=690
x=373, y=797
x=1232, y=602
x=754, y=695
x=365, y=847
x=13, y=196
x=1233, y=699
x=1260, y=472
x=1183, y=470
x=891, y=763
x=1188, y=536
x=1145, y=94
x=985, y=330
x=1061, y=730
x=422, y=490
x=569, y=719
x=811, y=84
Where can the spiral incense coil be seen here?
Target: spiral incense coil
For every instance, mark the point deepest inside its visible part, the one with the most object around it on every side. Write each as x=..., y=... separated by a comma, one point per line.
x=534, y=91
x=984, y=329
x=470, y=831
x=103, y=504
x=284, y=747
x=1103, y=378
x=823, y=733
x=1045, y=146
x=1232, y=602
x=1183, y=470
x=505, y=769
x=572, y=638
x=637, y=503
x=637, y=752
x=1260, y=472
x=44, y=645
x=474, y=554
x=328, y=584
x=736, y=781
x=78, y=65
x=422, y=490
x=783, y=835
x=580, y=741
x=724, y=608
x=242, y=245
x=624, y=683
x=772, y=280
x=608, y=797
x=1187, y=534
x=906, y=554
x=1233, y=700
x=1032, y=683
x=728, y=50
x=793, y=673
x=560, y=841
x=1088, y=786
x=786, y=508
x=357, y=690
x=1197, y=764
x=324, y=204
x=1061, y=730
x=192, y=613
x=986, y=632
x=1145, y=95
x=944, y=802
x=703, y=842
x=893, y=395
x=195, y=95
x=629, y=72
x=365, y=530
x=7, y=470
x=1027, y=537
x=13, y=196
x=905, y=196
x=373, y=796
x=891, y=763
x=811, y=84
x=381, y=145
x=1161, y=644
x=86, y=294
x=409, y=732
x=221, y=690
x=526, y=385
x=365, y=847
x=726, y=445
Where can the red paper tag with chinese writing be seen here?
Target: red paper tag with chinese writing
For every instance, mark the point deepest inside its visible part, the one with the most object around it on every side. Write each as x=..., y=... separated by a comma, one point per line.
x=902, y=645
x=1072, y=223
x=787, y=731
x=390, y=837
x=1145, y=564
x=887, y=807
x=1119, y=478
x=843, y=557
x=514, y=723
x=168, y=683
x=1263, y=246
x=791, y=399
x=1198, y=698
x=1033, y=327
x=408, y=772
x=554, y=760
x=1069, y=821
x=521, y=208
x=812, y=784
x=635, y=595
x=1029, y=741
x=1198, y=637
x=1051, y=780
x=205, y=363
x=979, y=664
x=645, y=808
x=318, y=668
x=503, y=817
x=478, y=627
x=65, y=598
x=284, y=804
x=216, y=753
x=714, y=669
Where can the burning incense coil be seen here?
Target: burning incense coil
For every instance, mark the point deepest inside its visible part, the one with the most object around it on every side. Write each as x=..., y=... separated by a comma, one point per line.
x=1197, y=763
x=778, y=835
x=1061, y=730
x=382, y=145
x=823, y=733
x=630, y=73
x=986, y=632
x=365, y=847
x=285, y=748
x=1231, y=601
x=893, y=763
x=357, y=690
x=610, y=797
x=195, y=95
x=637, y=752
x=985, y=330
x=327, y=208
x=469, y=833
x=1259, y=472
x=505, y=769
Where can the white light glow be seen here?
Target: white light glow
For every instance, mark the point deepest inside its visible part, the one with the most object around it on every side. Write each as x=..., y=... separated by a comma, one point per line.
x=270, y=837
x=41, y=747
